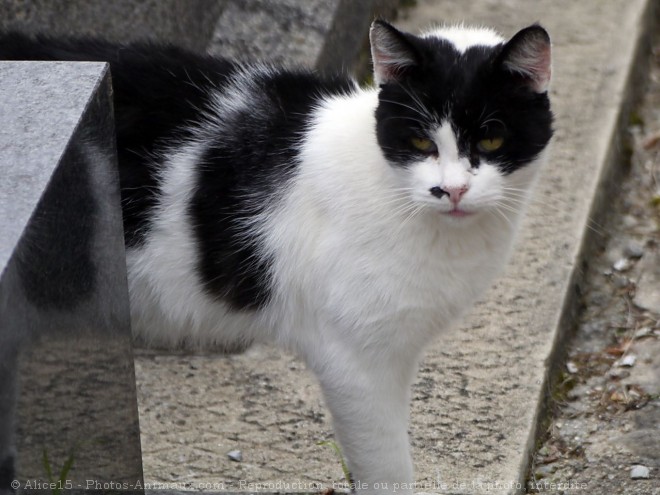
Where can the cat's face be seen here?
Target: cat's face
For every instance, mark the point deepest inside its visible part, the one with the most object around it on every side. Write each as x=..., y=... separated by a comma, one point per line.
x=462, y=115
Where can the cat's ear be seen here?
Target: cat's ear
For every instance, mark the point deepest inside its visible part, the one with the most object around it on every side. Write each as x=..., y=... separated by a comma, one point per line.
x=391, y=52
x=528, y=55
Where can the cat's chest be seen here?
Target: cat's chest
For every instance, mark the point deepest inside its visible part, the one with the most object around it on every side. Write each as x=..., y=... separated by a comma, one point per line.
x=369, y=275
x=426, y=276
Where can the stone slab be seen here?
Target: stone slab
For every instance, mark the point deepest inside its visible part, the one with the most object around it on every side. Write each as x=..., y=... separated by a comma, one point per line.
x=67, y=382
x=326, y=34
x=31, y=150
x=186, y=23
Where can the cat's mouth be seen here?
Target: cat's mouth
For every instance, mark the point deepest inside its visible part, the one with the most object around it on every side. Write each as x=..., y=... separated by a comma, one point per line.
x=459, y=213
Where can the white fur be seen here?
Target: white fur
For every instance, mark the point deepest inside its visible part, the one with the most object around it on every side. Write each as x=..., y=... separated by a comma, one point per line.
x=168, y=304
x=368, y=267
x=381, y=276
x=463, y=37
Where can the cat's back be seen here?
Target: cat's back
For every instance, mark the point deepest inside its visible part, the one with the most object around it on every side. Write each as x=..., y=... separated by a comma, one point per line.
x=205, y=145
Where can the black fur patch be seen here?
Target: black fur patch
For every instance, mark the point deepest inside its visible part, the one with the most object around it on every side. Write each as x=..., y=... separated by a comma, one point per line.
x=473, y=92
x=241, y=174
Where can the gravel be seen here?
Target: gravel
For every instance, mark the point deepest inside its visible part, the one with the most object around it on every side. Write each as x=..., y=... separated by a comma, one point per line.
x=235, y=455
x=603, y=435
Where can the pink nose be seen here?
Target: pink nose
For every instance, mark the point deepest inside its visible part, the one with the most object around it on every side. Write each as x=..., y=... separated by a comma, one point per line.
x=455, y=193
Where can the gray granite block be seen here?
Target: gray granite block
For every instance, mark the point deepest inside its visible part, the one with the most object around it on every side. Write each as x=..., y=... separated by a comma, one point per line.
x=187, y=23
x=325, y=34
x=67, y=383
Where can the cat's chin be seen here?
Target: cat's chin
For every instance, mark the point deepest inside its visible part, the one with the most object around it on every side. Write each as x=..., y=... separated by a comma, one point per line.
x=459, y=213
x=457, y=218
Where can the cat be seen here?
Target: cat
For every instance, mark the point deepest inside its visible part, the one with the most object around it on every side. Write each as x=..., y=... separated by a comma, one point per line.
x=348, y=225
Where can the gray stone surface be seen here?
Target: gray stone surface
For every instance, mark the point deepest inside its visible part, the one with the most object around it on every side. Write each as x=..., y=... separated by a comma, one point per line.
x=30, y=149
x=326, y=34
x=479, y=394
x=282, y=31
x=187, y=23
x=647, y=295
x=67, y=383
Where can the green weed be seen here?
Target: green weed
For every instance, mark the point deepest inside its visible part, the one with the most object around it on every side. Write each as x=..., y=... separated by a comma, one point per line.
x=333, y=445
x=61, y=481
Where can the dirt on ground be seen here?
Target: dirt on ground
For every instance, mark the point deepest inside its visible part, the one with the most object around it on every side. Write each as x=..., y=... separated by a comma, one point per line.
x=604, y=436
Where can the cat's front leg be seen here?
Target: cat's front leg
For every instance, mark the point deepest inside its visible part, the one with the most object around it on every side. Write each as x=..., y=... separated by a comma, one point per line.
x=368, y=393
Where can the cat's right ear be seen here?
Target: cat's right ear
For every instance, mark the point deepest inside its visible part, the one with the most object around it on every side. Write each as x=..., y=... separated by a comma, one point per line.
x=528, y=55
x=391, y=52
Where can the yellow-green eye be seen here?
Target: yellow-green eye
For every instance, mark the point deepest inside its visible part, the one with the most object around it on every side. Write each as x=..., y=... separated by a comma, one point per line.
x=488, y=145
x=423, y=144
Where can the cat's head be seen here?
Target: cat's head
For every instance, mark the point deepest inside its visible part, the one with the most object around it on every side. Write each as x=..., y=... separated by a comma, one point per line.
x=463, y=114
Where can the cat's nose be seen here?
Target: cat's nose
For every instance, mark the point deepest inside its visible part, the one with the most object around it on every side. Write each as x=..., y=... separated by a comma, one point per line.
x=455, y=193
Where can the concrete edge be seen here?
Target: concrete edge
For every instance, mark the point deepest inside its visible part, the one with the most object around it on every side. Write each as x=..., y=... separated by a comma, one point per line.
x=611, y=157
x=329, y=36
x=347, y=38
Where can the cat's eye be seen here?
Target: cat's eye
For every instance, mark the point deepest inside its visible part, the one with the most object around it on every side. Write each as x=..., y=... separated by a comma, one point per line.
x=491, y=144
x=424, y=145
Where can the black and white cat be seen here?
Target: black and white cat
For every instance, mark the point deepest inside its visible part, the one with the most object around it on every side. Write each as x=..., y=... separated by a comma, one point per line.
x=348, y=225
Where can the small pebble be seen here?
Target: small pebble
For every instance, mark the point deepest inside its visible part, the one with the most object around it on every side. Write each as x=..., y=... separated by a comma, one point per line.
x=235, y=455
x=643, y=332
x=627, y=361
x=634, y=250
x=639, y=472
x=571, y=367
x=622, y=265
x=544, y=471
x=629, y=221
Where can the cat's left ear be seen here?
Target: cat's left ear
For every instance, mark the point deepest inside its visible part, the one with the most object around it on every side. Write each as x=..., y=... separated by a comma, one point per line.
x=392, y=53
x=528, y=54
